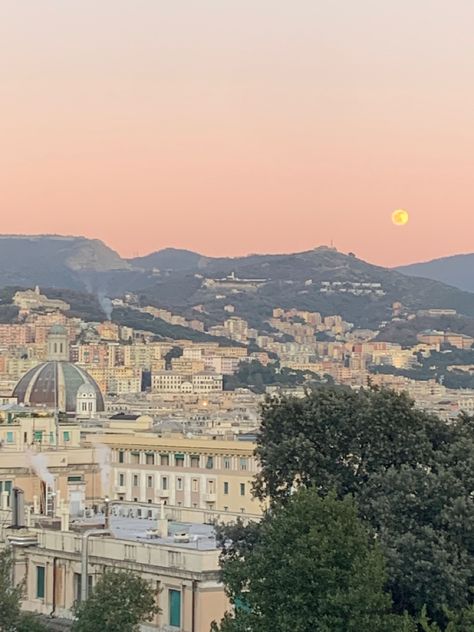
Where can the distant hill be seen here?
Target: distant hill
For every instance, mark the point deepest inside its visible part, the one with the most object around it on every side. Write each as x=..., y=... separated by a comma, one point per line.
x=295, y=280
x=457, y=270
x=56, y=261
x=181, y=280
x=168, y=259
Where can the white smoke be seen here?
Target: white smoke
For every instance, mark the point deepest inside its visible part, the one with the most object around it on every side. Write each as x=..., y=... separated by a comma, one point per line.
x=106, y=305
x=104, y=458
x=38, y=462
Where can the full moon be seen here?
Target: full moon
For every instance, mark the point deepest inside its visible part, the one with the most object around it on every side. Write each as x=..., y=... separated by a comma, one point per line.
x=399, y=217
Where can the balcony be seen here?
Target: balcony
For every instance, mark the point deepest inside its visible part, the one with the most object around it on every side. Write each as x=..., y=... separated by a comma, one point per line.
x=163, y=493
x=209, y=497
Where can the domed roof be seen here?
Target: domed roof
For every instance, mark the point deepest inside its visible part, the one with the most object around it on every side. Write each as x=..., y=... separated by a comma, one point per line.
x=55, y=384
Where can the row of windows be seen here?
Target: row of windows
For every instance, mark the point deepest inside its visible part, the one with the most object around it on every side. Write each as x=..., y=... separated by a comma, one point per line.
x=150, y=483
x=38, y=437
x=174, y=596
x=179, y=460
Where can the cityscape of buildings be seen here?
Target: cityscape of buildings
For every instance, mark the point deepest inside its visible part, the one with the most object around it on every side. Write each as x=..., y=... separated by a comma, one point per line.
x=129, y=448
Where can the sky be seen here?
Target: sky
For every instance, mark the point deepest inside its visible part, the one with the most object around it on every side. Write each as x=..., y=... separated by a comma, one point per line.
x=239, y=126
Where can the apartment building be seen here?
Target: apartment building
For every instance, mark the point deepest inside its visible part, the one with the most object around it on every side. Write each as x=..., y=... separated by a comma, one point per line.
x=177, y=382
x=195, y=473
x=36, y=454
x=181, y=561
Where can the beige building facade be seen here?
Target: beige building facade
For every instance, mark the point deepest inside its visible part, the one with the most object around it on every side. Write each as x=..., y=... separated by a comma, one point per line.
x=189, y=473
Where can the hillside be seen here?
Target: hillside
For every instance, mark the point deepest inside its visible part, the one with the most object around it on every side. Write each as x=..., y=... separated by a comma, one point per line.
x=56, y=261
x=404, y=331
x=295, y=280
x=168, y=259
x=456, y=270
x=321, y=279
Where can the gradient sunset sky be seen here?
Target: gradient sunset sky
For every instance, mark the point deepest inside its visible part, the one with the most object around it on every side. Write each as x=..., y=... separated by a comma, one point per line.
x=238, y=126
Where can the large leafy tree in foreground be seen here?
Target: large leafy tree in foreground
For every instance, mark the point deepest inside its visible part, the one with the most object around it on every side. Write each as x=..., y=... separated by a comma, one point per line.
x=119, y=602
x=411, y=474
x=310, y=565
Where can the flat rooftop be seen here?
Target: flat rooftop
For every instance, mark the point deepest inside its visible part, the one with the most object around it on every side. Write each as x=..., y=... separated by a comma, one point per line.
x=201, y=536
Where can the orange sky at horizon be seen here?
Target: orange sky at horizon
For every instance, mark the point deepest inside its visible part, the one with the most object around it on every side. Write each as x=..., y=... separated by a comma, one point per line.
x=237, y=127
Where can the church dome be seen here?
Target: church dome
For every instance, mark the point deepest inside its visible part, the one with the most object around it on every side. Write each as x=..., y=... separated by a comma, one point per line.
x=57, y=384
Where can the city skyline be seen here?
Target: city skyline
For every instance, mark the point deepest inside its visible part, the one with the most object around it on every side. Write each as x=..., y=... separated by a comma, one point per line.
x=240, y=128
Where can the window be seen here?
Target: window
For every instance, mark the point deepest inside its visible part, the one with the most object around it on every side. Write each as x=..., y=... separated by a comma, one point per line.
x=66, y=437
x=175, y=608
x=210, y=463
x=179, y=484
x=211, y=487
x=164, y=459
x=78, y=586
x=121, y=480
x=195, y=485
x=40, y=582
x=150, y=458
x=242, y=489
x=194, y=461
x=130, y=552
x=243, y=463
x=179, y=460
x=227, y=462
x=135, y=457
x=121, y=456
x=149, y=481
x=164, y=482
x=75, y=479
x=10, y=437
x=6, y=486
x=226, y=488
x=135, y=480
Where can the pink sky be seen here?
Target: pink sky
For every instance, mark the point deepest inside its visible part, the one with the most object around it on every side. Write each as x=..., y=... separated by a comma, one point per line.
x=237, y=126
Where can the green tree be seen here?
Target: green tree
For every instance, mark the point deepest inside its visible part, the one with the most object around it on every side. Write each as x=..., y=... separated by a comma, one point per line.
x=11, y=617
x=10, y=594
x=119, y=602
x=30, y=622
x=309, y=566
x=411, y=474
x=336, y=438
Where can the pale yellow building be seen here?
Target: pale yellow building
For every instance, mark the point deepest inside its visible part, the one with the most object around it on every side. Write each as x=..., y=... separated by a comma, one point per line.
x=189, y=473
x=180, y=561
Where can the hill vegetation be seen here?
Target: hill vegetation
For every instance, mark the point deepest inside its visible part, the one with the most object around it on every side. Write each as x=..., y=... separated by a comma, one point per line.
x=180, y=280
x=404, y=331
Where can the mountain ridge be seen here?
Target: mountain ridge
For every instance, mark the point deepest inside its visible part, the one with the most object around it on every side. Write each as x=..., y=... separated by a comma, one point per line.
x=321, y=279
x=456, y=270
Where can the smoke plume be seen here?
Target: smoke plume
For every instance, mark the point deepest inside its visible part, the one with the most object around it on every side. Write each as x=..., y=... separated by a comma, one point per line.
x=106, y=305
x=38, y=462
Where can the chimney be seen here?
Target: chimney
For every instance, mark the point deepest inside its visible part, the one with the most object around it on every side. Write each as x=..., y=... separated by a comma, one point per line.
x=5, y=500
x=162, y=522
x=18, y=508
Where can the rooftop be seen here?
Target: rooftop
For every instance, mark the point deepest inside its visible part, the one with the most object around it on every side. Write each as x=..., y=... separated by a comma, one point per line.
x=201, y=537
